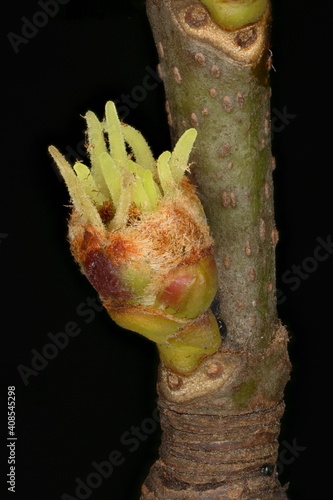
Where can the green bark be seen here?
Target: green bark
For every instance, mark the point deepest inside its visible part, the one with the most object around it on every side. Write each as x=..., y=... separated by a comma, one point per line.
x=220, y=425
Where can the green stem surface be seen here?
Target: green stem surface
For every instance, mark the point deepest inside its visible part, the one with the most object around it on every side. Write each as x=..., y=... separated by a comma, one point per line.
x=228, y=101
x=217, y=81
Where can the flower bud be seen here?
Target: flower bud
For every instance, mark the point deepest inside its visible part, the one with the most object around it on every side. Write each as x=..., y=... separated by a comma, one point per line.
x=139, y=234
x=234, y=14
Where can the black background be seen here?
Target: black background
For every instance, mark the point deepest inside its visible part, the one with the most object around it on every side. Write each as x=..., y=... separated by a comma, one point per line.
x=75, y=410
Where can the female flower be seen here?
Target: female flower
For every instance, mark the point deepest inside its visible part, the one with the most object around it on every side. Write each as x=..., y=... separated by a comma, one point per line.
x=139, y=234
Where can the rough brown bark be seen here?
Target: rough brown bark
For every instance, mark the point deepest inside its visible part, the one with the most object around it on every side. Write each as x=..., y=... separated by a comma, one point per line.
x=220, y=428
x=220, y=424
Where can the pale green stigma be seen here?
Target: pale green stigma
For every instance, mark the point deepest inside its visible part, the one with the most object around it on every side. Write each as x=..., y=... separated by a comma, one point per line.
x=123, y=171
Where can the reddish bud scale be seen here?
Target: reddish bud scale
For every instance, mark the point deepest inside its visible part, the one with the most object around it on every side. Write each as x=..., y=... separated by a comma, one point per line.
x=103, y=276
x=176, y=291
x=189, y=290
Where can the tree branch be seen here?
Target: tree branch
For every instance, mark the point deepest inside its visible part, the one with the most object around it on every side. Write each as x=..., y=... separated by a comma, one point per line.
x=220, y=424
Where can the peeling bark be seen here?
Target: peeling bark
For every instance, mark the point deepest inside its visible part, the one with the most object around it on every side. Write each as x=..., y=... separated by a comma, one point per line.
x=220, y=424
